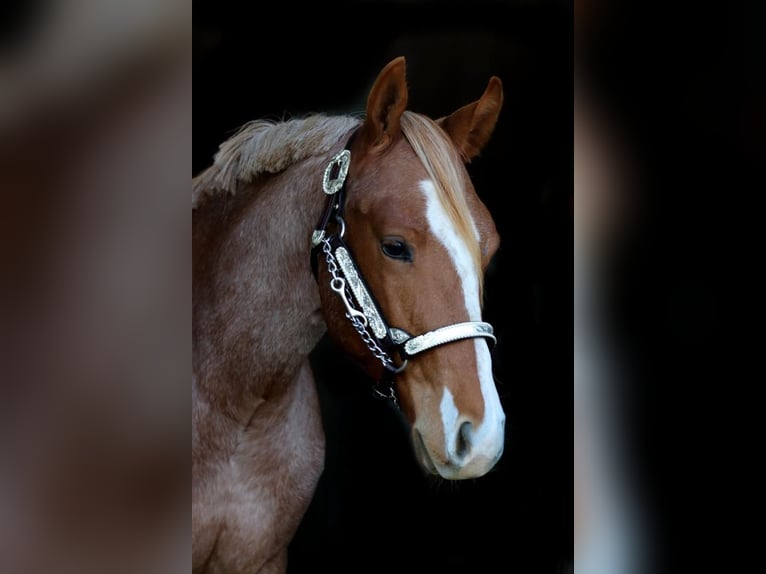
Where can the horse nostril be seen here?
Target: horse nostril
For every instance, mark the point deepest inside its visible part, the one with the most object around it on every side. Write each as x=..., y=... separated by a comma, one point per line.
x=463, y=445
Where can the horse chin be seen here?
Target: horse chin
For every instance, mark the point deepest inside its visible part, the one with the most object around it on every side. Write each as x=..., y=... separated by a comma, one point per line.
x=422, y=455
x=474, y=468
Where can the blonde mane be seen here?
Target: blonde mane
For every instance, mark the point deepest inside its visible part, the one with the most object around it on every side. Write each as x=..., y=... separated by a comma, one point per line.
x=441, y=161
x=265, y=146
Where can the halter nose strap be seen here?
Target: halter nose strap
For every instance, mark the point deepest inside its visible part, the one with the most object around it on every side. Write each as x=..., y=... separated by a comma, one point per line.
x=468, y=330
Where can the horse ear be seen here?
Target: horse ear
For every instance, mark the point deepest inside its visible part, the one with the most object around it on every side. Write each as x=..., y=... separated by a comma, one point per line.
x=471, y=126
x=385, y=104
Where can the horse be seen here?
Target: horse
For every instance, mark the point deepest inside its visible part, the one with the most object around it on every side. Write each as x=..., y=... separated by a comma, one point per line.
x=362, y=227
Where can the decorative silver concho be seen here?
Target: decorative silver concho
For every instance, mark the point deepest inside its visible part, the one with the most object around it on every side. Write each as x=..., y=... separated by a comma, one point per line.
x=331, y=185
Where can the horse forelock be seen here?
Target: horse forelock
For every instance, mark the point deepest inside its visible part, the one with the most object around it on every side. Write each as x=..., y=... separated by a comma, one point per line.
x=267, y=146
x=443, y=164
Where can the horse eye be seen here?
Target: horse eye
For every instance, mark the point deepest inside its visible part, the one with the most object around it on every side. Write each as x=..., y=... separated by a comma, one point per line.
x=396, y=249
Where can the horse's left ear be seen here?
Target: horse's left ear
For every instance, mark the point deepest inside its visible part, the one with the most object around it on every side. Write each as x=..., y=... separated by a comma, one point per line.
x=471, y=126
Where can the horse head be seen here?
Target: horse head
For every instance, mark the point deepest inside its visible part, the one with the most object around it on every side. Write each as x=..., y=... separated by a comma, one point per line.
x=402, y=284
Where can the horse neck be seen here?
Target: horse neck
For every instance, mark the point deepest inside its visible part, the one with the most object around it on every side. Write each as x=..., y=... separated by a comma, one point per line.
x=256, y=305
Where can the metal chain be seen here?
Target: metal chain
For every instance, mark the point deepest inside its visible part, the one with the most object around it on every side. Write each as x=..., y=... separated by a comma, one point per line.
x=353, y=314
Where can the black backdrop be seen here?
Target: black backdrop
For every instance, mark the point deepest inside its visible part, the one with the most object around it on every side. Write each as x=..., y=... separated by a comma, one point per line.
x=374, y=511
x=687, y=82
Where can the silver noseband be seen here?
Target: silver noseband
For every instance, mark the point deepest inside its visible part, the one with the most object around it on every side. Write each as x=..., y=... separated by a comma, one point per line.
x=444, y=335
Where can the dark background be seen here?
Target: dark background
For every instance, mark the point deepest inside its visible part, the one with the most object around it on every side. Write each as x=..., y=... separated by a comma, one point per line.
x=374, y=510
x=685, y=83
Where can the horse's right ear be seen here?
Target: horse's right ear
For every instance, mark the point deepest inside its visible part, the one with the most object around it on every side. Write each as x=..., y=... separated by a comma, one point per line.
x=386, y=102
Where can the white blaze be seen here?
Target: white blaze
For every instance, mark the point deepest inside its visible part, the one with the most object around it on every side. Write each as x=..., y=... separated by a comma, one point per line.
x=487, y=438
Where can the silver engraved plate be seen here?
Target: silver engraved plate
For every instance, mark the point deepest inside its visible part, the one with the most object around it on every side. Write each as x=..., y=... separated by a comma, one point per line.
x=362, y=296
x=448, y=334
x=332, y=182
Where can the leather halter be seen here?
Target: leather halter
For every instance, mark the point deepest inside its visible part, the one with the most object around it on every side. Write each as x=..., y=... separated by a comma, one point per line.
x=362, y=310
